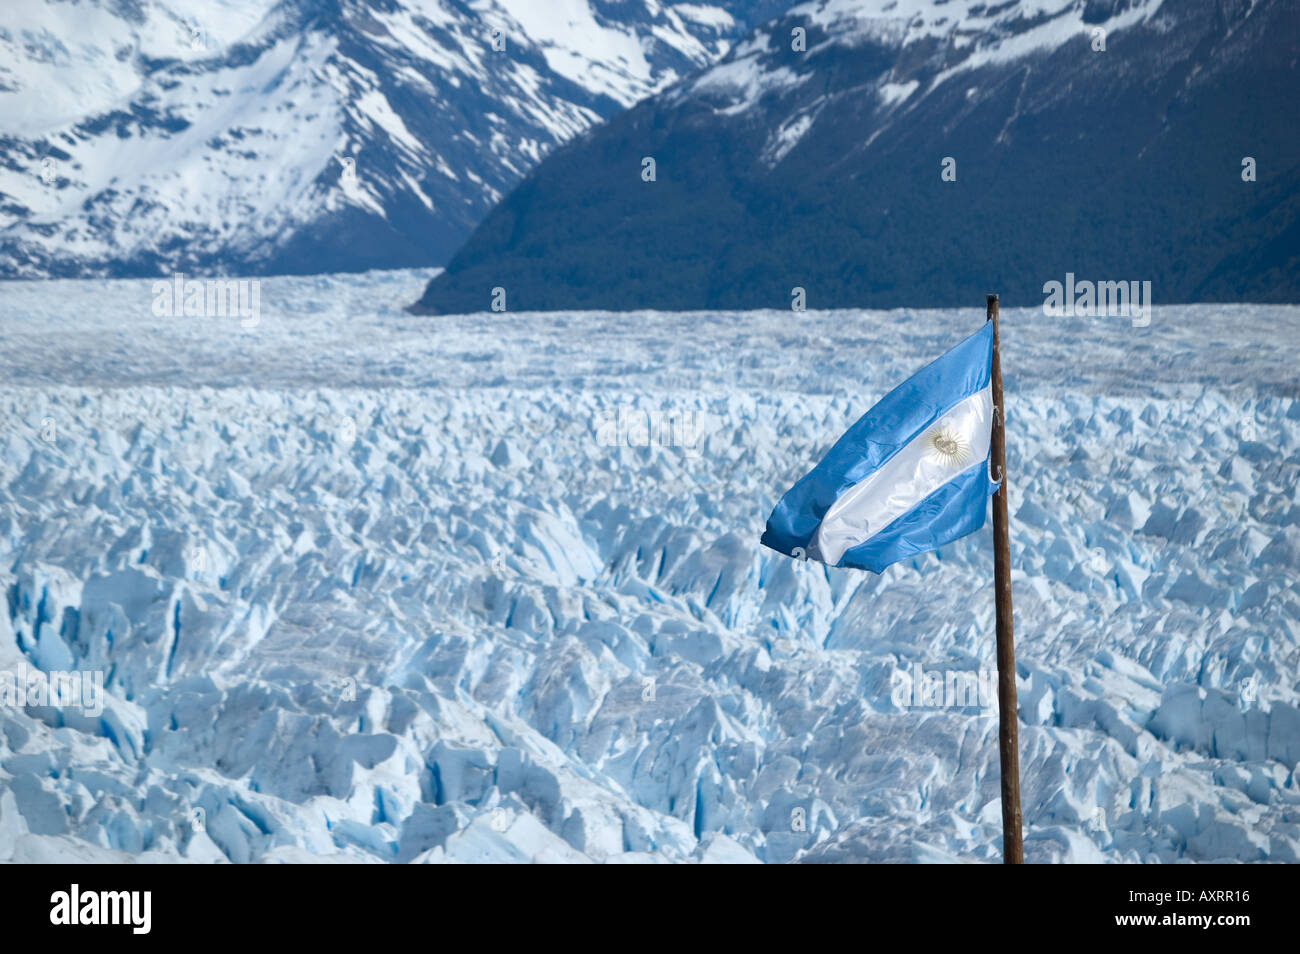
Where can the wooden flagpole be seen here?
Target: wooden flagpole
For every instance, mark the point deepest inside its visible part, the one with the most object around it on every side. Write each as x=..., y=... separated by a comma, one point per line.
x=1012, y=846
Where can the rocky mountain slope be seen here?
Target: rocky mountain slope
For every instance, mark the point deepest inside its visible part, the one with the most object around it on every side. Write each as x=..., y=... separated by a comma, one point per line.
x=918, y=152
x=141, y=137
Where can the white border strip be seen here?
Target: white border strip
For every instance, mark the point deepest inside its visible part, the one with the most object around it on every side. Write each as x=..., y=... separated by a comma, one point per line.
x=916, y=471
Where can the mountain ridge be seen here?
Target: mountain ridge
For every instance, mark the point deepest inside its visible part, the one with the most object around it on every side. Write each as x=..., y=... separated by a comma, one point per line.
x=141, y=137
x=779, y=170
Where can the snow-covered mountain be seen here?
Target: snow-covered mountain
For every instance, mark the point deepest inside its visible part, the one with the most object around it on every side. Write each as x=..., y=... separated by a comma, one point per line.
x=362, y=586
x=250, y=136
x=912, y=152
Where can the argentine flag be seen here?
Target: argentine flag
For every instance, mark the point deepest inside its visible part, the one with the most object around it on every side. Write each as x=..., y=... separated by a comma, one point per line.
x=911, y=475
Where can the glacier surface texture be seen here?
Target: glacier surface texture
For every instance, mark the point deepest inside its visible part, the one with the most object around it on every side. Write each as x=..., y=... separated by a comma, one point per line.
x=370, y=587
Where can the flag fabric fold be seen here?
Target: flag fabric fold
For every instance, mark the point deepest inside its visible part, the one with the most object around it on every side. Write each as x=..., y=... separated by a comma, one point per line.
x=909, y=476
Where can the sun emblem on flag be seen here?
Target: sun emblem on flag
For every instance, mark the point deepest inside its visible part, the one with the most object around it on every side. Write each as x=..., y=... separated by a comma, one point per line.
x=948, y=446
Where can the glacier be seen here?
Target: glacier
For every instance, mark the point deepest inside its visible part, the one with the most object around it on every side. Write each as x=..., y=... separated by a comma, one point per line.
x=370, y=587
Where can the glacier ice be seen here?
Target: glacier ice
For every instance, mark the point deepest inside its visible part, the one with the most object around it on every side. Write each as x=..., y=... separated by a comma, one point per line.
x=368, y=587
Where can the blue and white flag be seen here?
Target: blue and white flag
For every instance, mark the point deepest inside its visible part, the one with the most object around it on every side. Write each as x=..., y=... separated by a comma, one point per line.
x=911, y=475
